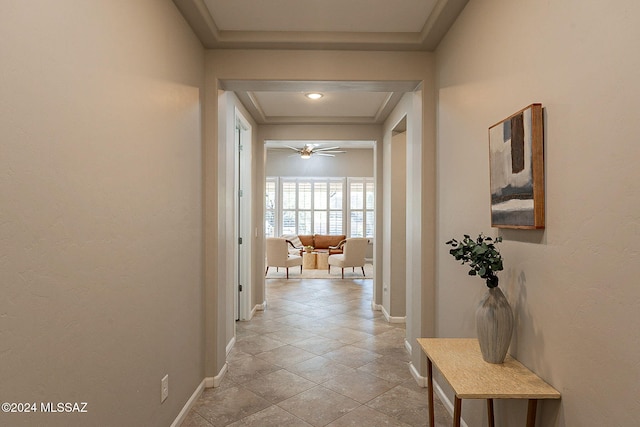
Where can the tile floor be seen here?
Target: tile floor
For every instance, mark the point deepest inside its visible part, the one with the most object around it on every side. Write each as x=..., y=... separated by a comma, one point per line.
x=318, y=356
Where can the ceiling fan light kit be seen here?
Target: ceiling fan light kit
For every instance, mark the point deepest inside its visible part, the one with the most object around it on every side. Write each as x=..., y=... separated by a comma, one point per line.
x=314, y=95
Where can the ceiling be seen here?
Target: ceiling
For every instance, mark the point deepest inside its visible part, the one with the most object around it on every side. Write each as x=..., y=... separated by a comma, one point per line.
x=344, y=102
x=321, y=24
x=406, y=25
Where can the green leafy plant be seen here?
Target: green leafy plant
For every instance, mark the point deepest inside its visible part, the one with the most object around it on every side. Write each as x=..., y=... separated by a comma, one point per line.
x=481, y=254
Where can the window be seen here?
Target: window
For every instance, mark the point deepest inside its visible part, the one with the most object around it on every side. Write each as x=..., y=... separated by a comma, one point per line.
x=319, y=206
x=311, y=206
x=289, y=205
x=336, y=216
x=361, y=207
x=270, y=208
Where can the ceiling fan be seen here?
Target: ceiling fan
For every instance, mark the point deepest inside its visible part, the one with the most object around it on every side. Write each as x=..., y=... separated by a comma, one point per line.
x=309, y=149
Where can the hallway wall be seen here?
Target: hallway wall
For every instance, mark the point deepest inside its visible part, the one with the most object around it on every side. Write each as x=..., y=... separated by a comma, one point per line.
x=573, y=286
x=100, y=210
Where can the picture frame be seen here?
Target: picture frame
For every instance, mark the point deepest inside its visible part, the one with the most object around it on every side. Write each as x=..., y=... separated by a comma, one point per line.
x=516, y=163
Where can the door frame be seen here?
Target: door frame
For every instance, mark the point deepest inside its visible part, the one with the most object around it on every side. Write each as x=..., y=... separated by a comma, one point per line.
x=242, y=263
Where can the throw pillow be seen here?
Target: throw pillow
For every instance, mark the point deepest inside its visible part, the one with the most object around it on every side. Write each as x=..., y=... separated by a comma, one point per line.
x=293, y=238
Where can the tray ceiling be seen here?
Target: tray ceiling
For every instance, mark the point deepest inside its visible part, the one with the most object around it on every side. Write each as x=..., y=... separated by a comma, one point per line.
x=321, y=24
x=407, y=25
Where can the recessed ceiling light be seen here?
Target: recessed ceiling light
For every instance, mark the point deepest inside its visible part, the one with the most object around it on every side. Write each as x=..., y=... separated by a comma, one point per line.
x=314, y=95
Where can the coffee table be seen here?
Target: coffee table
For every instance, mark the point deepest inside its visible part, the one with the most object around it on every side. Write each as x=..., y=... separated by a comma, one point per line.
x=322, y=260
x=309, y=260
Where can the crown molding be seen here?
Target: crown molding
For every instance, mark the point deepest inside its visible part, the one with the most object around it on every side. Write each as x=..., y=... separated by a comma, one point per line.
x=199, y=18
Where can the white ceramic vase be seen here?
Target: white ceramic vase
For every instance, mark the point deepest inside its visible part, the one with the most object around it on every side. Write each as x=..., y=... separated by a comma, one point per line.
x=494, y=322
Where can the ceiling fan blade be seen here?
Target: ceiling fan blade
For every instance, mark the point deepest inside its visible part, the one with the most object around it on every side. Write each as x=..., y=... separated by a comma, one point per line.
x=326, y=148
x=325, y=154
x=333, y=152
x=293, y=148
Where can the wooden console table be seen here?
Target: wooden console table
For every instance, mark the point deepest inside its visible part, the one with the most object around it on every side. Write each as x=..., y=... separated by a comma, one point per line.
x=460, y=362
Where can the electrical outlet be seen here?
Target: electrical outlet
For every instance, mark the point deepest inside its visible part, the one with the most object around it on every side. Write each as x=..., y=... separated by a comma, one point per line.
x=164, y=388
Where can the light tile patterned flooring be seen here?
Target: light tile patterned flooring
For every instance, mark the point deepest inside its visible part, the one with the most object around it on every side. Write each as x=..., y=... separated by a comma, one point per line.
x=318, y=356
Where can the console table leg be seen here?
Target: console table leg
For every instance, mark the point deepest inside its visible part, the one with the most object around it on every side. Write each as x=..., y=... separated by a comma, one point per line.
x=490, y=413
x=531, y=412
x=430, y=391
x=457, y=411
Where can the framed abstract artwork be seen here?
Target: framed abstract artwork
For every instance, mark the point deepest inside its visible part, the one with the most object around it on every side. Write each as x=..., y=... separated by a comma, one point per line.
x=516, y=161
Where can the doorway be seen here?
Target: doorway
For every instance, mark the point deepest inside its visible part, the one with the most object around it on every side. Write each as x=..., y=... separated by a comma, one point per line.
x=395, y=230
x=223, y=333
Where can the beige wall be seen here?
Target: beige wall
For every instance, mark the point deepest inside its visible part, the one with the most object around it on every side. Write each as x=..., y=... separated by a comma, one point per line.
x=100, y=211
x=398, y=244
x=573, y=286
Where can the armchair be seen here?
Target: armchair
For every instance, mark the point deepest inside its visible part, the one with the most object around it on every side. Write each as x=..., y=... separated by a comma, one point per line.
x=354, y=251
x=278, y=255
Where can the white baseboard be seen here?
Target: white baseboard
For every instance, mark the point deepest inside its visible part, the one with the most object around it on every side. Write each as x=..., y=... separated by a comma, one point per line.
x=446, y=402
x=187, y=406
x=375, y=307
x=212, y=382
x=256, y=308
x=407, y=346
x=252, y=313
x=422, y=382
x=218, y=378
x=392, y=319
x=232, y=342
